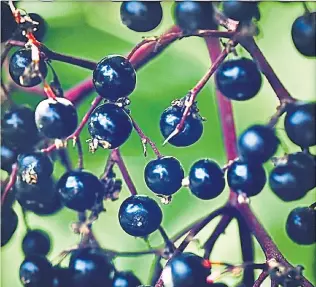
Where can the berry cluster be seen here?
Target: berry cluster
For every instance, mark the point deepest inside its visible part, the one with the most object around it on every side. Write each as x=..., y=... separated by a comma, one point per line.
x=32, y=140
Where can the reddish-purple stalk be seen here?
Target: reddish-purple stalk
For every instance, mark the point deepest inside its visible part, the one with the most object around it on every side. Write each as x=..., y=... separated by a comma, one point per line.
x=144, y=54
x=10, y=184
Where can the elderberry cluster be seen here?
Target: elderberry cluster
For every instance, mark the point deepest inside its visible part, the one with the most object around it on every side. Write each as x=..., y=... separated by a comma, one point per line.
x=26, y=132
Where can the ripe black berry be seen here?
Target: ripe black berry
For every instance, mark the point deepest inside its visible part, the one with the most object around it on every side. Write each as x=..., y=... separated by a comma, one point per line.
x=303, y=34
x=36, y=242
x=300, y=225
x=258, y=144
x=8, y=158
x=300, y=124
x=192, y=129
x=9, y=223
x=164, y=175
x=90, y=267
x=33, y=167
x=140, y=215
x=307, y=163
x=186, y=270
x=246, y=177
x=238, y=79
x=18, y=128
x=125, y=279
x=206, y=179
x=287, y=182
x=36, y=271
x=79, y=190
x=56, y=118
x=8, y=24
x=21, y=70
x=114, y=77
x=141, y=16
x=41, y=28
x=240, y=10
x=109, y=126
x=63, y=277
x=194, y=15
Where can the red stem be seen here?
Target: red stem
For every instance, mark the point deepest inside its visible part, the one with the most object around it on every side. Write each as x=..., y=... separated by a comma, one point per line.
x=11, y=183
x=263, y=276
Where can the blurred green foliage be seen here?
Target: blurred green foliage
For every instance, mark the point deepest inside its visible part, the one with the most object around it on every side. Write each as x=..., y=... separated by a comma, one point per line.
x=93, y=30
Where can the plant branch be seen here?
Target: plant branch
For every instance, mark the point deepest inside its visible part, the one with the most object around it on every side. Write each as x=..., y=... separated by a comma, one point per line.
x=168, y=243
x=10, y=184
x=263, y=276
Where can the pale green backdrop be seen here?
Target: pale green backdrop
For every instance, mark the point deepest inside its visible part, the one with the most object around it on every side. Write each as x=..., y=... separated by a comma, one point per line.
x=93, y=30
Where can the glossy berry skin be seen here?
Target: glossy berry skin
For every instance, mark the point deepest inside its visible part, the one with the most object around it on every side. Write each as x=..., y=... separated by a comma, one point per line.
x=301, y=225
x=36, y=242
x=111, y=124
x=8, y=158
x=18, y=128
x=164, y=175
x=114, y=77
x=139, y=215
x=246, y=177
x=36, y=271
x=240, y=10
x=41, y=28
x=192, y=129
x=257, y=144
x=186, y=270
x=90, y=267
x=238, y=79
x=193, y=15
x=56, y=118
x=300, y=124
x=141, y=16
x=125, y=279
x=35, y=166
x=307, y=163
x=303, y=34
x=9, y=223
x=287, y=182
x=79, y=190
x=206, y=179
x=21, y=60
x=8, y=24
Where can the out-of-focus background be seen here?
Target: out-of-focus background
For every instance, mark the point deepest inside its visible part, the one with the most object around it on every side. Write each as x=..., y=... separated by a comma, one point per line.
x=93, y=30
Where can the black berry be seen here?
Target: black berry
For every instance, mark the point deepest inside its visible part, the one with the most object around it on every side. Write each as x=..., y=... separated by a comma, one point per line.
x=8, y=158
x=287, y=182
x=307, y=163
x=192, y=129
x=206, y=179
x=33, y=167
x=300, y=225
x=140, y=215
x=36, y=242
x=141, y=16
x=18, y=128
x=194, y=15
x=90, y=267
x=258, y=144
x=238, y=79
x=125, y=279
x=41, y=28
x=303, y=34
x=300, y=124
x=114, y=77
x=36, y=271
x=241, y=10
x=21, y=70
x=9, y=223
x=246, y=177
x=79, y=190
x=186, y=270
x=8, y=24
x=110, y=126
x=164, y=175
x=56, y=118
x=63, y=277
